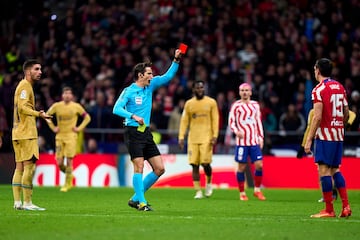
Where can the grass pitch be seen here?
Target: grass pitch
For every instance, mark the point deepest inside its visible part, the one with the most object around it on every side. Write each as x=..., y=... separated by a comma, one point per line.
x=102, y=213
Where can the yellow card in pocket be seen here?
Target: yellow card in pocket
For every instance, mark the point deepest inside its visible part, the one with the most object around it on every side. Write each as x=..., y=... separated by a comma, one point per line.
x=141, y=128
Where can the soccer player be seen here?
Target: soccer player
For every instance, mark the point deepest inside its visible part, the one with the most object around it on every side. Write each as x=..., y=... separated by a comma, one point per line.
x=301, y=151
x=25, y=136
x=245, y=123
x=331, y=112
x=201, y=117
x=134, y=104
x=67, y=112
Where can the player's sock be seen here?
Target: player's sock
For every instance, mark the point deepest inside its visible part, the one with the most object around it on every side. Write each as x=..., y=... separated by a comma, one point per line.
x=208, y=173
x=240, y=177
x=339, y=181
x=149, y=180
x=26, y=182
x=208, y=179
x=139, y=187
x=68, y=176
x=197, y=186
x=257, y=180
x=16, y=185
x=326, y=183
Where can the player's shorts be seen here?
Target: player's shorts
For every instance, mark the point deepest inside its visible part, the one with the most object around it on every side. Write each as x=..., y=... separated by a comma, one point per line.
x=243, y=152
x=66, y=146
x=140, y=144
x=328, y=152
x=26, y=149
x=200, y=153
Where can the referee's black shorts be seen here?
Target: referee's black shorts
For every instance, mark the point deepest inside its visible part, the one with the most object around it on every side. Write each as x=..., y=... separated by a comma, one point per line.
x=140, y=144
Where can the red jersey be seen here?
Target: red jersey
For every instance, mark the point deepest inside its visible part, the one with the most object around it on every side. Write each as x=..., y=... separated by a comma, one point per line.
x=333, y=97
x=246, y=118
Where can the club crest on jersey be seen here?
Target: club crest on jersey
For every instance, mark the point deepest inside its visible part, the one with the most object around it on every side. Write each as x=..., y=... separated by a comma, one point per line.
x=23, y=94
x=138, y=100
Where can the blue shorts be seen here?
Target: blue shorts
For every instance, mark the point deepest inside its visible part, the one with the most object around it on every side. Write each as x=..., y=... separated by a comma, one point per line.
x=243, y=152
x=328, y=152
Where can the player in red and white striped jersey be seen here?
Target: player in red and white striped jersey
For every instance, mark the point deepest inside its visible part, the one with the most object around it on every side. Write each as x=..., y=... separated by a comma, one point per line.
x=331, y=112
x=245, y=123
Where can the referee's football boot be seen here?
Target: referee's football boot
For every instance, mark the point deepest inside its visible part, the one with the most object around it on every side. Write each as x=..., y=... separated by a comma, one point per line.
x=133, y=204
x=144, y=207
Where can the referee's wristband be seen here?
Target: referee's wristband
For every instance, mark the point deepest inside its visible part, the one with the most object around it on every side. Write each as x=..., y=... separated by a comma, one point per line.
x=176, y=59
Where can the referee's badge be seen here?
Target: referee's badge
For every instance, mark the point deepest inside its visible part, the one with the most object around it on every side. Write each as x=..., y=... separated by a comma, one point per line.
x=23, y=94
x=138, y=100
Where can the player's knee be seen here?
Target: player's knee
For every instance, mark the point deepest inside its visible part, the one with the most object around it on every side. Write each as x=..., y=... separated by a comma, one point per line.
x=159, y=171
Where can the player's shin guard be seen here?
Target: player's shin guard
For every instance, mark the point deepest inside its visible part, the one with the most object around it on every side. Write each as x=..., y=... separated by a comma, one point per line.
x=139, y=187
x=339, y=181
x=149, y=180
x=258, y=178
x=208, y=173
x=326, y=184
x=26, y=182
x=240, y=177
x=16, y=185
x=68, y=177
x=197, y=186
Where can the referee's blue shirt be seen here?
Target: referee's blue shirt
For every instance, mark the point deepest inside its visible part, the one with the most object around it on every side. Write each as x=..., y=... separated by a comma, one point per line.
x=137, y=100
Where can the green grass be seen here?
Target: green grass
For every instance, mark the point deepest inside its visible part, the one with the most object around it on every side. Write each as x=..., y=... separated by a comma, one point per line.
x=102, y=213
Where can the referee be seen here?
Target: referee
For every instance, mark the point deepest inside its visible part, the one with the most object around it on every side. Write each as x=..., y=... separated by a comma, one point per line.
x=134, y=104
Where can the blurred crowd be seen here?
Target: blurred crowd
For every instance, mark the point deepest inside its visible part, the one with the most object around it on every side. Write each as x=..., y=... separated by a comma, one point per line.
x=92, y=47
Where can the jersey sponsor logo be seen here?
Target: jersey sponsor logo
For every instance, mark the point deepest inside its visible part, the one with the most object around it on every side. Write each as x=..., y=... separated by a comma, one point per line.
x=198, y=115
x=248, y=120
x=138, y=100
x=23, y=94
x=337, y=123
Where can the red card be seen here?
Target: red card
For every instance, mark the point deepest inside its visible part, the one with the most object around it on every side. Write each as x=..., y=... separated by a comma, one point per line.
x=183, y=48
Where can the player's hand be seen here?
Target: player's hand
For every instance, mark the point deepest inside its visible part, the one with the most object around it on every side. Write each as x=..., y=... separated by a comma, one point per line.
x=181, y=144
x=307, y=146
x=300, y=152
x=213, y=141
x=56, y=129
x=45, y=116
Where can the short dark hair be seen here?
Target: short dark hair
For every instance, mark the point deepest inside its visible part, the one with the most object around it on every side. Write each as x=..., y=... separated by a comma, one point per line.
x=29, y=63
x=140, y=68
x=198, y=82
x=67, y=88
x=325, y=66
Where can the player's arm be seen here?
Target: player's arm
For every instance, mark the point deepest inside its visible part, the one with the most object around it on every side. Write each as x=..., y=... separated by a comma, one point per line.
x=232, y=120
x=260, y=126
x=184, y=123
x=26, y=108
x=315, y=123
x=301, y=150
x=85, y=119
x=352, y=117
x=306, y=133
x=51, y=111
x=214, y=122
